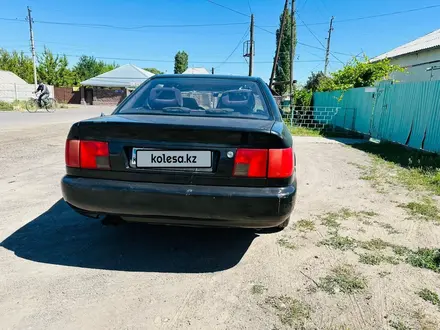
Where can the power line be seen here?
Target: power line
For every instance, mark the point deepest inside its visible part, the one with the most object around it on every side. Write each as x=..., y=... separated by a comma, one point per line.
x=164, y=61
x=12, y=19
x=387, y=14
x=303, y=5
x=371, y=16
x=302, y=43
x=311, y=32
x=137, y=27
x=314, y=35
x=235, y=49
x=133, y=28
x=229, y=8
x=325, y=6
x=250, y=8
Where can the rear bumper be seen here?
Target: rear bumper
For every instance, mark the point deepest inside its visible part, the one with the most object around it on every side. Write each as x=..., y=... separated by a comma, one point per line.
x=181, y=204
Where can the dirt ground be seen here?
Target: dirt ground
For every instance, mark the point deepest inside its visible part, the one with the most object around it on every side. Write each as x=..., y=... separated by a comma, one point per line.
x=341, y=264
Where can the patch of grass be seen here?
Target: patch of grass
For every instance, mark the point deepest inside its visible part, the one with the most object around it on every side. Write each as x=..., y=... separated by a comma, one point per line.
x=400, y=250
x=426, y=209
x=303, y=131
x=359, y=166
x=305, y=225
x=429, y=295
x=398, y=325
x=337, y=242
x=284, y=242
x=374, y=244
x=343, y=279
x=425, y=258
x=413, y=168
x=383, y=274
x=258, y=289
x=6, y=106
x=377, y=259
x=291, y=311
x=369, y=213
x=330, y=219
x=390, y=229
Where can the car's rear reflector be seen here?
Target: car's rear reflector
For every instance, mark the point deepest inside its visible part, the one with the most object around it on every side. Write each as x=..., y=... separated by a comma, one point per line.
x=72, y=153
x=87, y=154
x=251, y=163
x=281, y=164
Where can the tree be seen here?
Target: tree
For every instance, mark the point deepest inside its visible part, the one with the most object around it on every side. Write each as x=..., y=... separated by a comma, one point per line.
x=89, y=67
x=357, y=73
x=180, y=62
x=282, y=71
x=153, y=70
x=53, y=69
x=17, y=63
x=314, y=81
x=302, y=96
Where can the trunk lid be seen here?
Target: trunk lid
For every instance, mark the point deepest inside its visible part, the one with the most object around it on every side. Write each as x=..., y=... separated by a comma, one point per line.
x=130, y=135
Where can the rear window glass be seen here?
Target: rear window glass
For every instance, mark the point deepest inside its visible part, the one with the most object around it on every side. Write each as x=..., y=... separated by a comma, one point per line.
x=206, y=97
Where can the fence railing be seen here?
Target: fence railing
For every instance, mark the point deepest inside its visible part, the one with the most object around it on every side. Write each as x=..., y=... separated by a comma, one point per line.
x=313, y=117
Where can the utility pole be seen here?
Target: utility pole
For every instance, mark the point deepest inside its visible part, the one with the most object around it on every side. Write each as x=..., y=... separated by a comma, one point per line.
x=280, y=38
x=251, y=47
x=292, y=52
x=327, y=52
x=31, y=32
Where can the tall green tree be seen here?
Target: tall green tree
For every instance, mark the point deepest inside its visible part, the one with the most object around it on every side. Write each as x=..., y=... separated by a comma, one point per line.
x=153, y=70
x=180, y=62
x=17, y=63
x=54, y=69
x=89, y=67
x=282, y=71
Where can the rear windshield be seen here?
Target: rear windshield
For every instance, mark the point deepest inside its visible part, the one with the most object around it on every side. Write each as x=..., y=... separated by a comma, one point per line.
x=206, y=97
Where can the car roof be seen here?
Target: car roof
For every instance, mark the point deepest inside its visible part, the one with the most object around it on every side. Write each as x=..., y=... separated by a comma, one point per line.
x=216, y=76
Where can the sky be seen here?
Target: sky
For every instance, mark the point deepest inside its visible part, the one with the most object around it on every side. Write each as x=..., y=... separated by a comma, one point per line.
x=144, y=32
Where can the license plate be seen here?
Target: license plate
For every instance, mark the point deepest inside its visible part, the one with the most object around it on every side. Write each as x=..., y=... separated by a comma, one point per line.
x=181, y=159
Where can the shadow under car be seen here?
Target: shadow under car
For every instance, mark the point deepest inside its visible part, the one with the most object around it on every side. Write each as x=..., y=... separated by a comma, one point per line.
x=61, y=236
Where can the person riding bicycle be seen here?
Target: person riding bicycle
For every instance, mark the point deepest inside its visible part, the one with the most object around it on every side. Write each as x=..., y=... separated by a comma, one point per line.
x=44, y=95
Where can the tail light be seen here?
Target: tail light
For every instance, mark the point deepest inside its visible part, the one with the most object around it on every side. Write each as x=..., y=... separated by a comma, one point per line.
x=264, y=163
x=251, y=163
x=280, y=163
x=87, y=154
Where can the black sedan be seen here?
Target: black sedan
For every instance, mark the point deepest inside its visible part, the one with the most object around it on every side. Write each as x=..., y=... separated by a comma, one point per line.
x=198, y=150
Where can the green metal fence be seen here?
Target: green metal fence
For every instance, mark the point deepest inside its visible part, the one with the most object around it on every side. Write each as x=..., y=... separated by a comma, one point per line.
x=405, y=113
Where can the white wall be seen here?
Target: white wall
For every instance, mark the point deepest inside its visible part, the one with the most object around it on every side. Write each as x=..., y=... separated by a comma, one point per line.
x=12, y=92
x=417, y=73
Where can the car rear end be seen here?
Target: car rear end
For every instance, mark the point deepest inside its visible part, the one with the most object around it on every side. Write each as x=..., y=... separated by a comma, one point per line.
x=209, y=168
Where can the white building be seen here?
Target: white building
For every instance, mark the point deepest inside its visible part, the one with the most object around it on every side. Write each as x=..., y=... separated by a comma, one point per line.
x=196, y=71
x=420, y=58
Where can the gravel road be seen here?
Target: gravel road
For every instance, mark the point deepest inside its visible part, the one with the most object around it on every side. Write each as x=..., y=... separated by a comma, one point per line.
x=62, y=271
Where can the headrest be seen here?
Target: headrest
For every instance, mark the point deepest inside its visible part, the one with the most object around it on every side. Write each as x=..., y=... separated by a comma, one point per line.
x=163, y=97
x=238, y=98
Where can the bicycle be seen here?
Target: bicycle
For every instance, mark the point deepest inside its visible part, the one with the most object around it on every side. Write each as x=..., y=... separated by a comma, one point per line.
x=50, y=104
